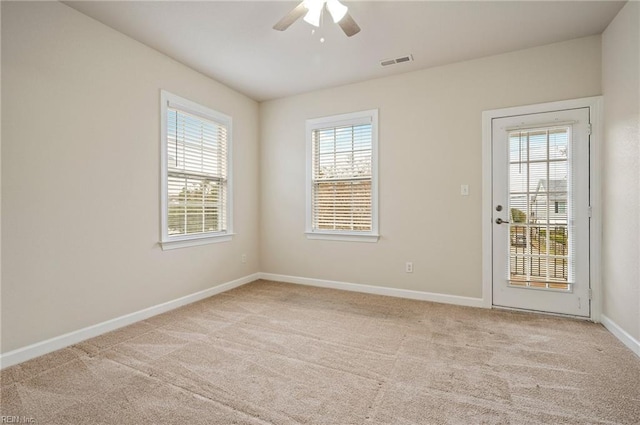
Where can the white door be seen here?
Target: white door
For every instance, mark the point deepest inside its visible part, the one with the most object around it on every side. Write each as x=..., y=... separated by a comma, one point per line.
x=540, y=195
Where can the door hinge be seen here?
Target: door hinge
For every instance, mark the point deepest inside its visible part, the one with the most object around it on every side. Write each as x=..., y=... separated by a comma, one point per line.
x=590, y=293
x=589, y=129
x=589, y=211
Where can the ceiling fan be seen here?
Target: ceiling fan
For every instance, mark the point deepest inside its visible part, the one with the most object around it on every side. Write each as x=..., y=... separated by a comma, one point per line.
x=312, y=11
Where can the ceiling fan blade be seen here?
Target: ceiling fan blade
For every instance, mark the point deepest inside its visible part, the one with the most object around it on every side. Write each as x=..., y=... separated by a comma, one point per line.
x=284, y=23
x=348, y=25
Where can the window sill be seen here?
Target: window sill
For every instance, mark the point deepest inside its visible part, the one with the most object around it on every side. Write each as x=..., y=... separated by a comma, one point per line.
x=344, y=237
x=195, y=241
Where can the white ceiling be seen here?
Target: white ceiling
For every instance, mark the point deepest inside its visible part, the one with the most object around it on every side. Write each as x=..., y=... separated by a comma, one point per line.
x=233, y=41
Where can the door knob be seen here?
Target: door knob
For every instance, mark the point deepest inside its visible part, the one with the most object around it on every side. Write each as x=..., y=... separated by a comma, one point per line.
x=500, y=221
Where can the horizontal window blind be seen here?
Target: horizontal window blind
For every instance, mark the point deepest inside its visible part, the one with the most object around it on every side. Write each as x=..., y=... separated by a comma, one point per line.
x=342, y=178
x=196, y=173
x=540, y=188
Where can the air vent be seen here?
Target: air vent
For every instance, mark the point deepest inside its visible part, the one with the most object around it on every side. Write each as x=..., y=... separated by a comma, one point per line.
x=402, y=59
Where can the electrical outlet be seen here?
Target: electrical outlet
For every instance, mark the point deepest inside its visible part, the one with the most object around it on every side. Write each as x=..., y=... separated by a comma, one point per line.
x=464, y=189
x=243, y=258
x=408, y=267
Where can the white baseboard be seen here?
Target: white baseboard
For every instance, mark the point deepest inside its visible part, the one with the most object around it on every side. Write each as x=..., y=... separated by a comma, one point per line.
x=621, y=334
x=44, y=347
x=378, y=290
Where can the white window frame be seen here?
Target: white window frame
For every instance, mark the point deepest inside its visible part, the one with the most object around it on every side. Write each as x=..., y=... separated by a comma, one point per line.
x=349, y=119
x=180, y=241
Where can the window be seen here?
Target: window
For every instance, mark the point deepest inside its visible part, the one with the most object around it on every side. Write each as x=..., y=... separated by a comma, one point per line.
x=342, y=177
x=196, y=184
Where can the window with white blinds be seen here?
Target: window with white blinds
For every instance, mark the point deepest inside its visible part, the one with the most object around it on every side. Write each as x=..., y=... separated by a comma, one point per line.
x=195, y=173
x=342, y=180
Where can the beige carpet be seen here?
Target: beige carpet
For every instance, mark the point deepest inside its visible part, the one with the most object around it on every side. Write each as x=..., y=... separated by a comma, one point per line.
x=274, y=353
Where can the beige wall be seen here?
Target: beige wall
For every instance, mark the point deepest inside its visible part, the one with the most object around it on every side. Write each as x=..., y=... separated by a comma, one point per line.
x=80, y=167
x=80, y=176
x=430, y=144
x=621, y=170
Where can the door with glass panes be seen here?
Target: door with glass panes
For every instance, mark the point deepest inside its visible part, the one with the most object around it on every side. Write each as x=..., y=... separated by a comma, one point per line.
x=540, y=228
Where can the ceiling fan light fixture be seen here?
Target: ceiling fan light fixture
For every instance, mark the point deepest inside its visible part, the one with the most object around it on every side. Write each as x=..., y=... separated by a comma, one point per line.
x=337, y=10
x=314, y=11
x=312, y=17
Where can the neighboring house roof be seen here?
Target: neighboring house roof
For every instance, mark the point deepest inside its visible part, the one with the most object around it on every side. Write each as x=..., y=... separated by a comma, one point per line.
x=557, y=189
x=554, y=185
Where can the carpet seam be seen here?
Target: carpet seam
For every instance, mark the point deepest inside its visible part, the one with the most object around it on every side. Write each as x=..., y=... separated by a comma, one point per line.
x=158, y=378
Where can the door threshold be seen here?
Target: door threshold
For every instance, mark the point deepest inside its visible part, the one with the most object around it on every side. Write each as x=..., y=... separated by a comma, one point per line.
x=545, y=313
